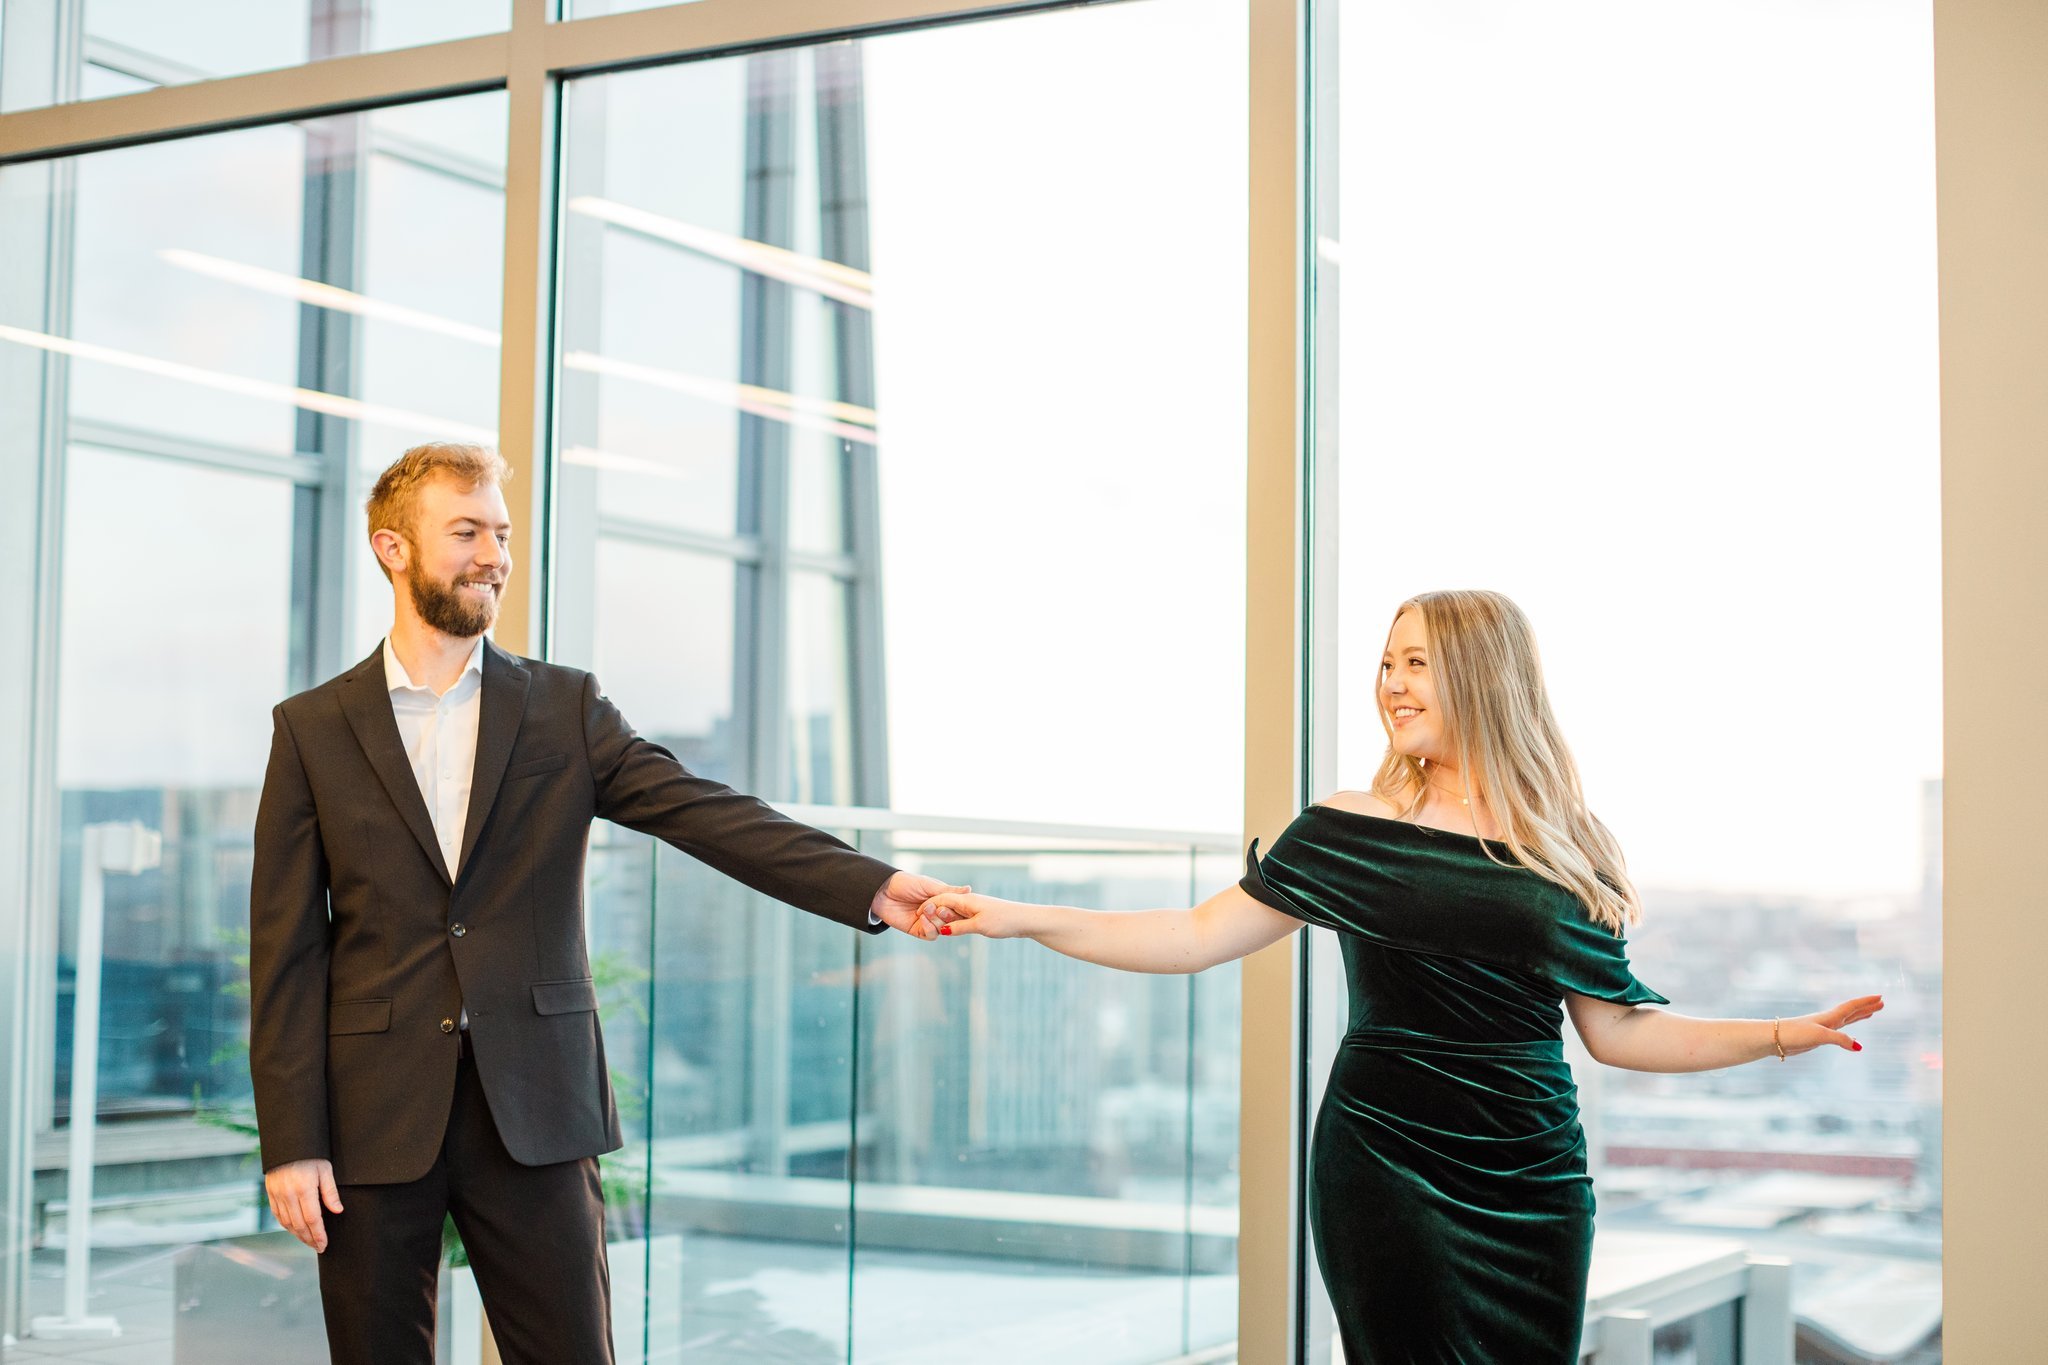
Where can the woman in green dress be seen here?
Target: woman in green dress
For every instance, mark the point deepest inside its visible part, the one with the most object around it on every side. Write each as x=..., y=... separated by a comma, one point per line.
x=1473, y=893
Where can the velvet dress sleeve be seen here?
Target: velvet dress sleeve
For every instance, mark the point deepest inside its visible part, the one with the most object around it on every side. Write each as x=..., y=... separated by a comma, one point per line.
x=1591, y=960
x=1323, y=874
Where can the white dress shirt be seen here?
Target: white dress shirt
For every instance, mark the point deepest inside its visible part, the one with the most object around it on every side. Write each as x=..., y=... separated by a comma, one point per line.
x=439, y=734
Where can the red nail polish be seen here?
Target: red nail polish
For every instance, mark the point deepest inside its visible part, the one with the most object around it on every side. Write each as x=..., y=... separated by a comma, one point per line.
x=1858, y=1047
x=946, y=929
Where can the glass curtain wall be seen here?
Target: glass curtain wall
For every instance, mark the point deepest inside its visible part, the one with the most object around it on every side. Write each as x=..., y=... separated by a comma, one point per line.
x=1630, y=313
x=900, y=469
x=231, y=335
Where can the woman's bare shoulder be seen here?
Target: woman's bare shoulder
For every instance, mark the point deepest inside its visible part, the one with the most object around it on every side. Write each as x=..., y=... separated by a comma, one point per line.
x=1362, y=803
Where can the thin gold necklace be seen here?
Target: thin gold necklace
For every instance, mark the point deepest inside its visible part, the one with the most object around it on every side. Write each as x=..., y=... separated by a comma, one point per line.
x=1462, y=800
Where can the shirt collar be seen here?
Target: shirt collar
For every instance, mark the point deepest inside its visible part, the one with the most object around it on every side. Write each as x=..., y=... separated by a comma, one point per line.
x=396, y=679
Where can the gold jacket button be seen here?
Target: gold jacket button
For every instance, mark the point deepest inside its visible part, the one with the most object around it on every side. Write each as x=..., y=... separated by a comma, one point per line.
x=447, y=1026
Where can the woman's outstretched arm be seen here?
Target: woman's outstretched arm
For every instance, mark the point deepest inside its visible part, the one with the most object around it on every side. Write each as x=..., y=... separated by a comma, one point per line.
x=1226, y=926
x=1644, y=1038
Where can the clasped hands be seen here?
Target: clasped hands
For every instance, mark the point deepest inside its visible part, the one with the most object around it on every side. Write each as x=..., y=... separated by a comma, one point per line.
x=927, y=908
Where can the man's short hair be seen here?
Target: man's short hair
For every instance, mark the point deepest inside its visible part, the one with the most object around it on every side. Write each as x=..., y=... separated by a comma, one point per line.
x=394, y=503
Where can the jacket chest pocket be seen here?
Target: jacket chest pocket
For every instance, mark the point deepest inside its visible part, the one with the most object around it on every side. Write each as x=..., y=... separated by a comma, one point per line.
x=535, y=767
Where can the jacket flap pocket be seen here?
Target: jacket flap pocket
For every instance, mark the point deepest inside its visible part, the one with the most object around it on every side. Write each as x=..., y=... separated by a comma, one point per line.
x=359, y=1016
x=535, y=767
x=564, y=997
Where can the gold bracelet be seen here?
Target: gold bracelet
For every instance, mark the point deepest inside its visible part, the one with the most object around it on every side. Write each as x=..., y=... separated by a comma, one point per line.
x=1776, y=1041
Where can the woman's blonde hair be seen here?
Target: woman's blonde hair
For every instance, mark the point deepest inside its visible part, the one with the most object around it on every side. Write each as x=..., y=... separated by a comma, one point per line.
x=1497, y=720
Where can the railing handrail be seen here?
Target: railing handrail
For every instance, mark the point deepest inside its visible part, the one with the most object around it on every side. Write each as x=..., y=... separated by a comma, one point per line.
x=868, y=818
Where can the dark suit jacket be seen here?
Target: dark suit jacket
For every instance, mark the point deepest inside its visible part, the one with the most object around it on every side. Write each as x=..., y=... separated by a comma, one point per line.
x=362, y=953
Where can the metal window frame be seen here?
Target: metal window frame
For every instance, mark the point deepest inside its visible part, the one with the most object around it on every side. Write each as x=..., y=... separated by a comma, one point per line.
x=529, y=61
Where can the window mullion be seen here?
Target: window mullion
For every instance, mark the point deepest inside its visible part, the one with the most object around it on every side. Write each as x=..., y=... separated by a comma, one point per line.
x=532, y=121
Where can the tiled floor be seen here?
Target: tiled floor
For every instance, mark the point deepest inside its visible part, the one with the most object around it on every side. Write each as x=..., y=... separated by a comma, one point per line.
x=134, y=1287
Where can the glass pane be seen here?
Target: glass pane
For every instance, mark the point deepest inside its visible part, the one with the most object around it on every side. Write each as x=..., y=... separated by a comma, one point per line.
x=665, y=650
x=1669, y=382
x=752, y=1080
x=651, y=413
x=973, y=446
x=208, y=345
x=168, y=242
x=819, y=486
x=819, y=736
x=150, y=44
x=1049, y=1142
x=179, y=747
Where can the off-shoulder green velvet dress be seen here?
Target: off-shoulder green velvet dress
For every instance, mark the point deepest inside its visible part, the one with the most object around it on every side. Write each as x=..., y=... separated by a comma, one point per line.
x=1447, y=1176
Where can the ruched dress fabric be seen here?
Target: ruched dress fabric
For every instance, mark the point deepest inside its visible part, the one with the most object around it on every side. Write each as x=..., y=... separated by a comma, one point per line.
x=1448, y=1192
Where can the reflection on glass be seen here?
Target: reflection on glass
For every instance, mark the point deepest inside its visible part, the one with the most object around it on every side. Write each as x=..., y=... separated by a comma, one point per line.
x=663, y=443
x=326, y=289
x=1701, y=453
x=152, y=44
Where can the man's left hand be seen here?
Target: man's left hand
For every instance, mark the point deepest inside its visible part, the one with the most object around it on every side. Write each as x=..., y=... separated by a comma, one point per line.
x=897, y=903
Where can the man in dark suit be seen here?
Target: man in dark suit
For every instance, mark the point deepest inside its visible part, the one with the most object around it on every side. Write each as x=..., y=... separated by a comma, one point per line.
x=424, y=1036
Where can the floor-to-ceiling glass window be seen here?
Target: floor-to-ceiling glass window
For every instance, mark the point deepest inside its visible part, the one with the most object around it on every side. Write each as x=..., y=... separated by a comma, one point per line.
x=900, y=476
x=1634, y=321
x=228, y=336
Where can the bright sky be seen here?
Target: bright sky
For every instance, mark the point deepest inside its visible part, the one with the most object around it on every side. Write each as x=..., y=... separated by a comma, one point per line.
x=1639, y=328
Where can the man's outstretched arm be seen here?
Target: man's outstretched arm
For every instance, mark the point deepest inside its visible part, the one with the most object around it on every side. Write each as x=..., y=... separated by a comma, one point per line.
x=642, y=786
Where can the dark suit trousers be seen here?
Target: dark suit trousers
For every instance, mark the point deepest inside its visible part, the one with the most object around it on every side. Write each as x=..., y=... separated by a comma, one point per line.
x=535, y=1237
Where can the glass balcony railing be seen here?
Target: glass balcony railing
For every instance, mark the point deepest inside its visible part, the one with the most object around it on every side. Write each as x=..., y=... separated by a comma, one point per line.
x=839, y=1147
x=888, y=1149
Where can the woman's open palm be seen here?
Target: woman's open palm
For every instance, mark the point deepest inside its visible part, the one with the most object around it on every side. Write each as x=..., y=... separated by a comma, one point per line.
x=1820, y=1029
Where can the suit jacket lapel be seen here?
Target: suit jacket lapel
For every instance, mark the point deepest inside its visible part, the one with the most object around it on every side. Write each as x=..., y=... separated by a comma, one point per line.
x=366, y=701
x=504, y=706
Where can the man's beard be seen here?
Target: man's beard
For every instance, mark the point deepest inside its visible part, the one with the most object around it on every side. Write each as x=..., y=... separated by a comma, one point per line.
x=442, y=606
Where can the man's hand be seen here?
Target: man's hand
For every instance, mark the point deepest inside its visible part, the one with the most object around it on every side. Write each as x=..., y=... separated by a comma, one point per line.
x=297, y=1191
x=899, y=900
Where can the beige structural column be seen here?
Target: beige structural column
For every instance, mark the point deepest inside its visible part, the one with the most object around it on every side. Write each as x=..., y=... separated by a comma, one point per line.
x=523, y=359
x=1269, y=1130
x=1991, y=166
